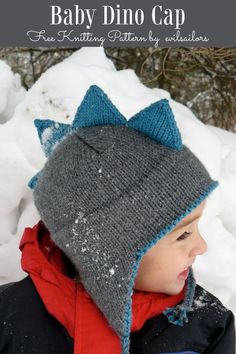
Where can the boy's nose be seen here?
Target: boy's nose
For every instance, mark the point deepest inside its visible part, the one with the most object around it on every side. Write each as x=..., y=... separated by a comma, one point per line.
x=200, y=246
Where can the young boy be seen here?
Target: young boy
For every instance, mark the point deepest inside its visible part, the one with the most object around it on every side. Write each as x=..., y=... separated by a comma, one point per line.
x=110, y=263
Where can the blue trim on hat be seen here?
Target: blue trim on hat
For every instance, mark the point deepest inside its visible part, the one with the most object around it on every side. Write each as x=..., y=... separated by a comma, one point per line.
x=178, y=314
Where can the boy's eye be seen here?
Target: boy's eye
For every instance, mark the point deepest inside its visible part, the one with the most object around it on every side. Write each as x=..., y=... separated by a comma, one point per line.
x=184, y=236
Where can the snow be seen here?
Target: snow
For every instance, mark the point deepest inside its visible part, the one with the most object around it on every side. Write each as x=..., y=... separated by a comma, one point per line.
x=56, y=96
x=112, y=271
x=11, y=92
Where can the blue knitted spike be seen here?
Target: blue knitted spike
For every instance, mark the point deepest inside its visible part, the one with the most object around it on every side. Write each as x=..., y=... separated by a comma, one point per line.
x=158, y=122
x=97, y=109
x=50, y=133
x=34, y=180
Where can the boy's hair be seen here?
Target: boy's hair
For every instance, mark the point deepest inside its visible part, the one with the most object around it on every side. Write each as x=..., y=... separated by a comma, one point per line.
x=116, y=189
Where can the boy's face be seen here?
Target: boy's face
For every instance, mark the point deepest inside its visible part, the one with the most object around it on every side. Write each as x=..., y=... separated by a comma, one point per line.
x=164, y=268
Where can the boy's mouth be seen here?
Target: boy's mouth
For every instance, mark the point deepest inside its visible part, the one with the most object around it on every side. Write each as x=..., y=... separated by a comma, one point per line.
x=184, y=274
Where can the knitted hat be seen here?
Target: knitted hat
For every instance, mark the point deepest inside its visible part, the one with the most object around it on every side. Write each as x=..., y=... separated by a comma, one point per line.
x=112, y=188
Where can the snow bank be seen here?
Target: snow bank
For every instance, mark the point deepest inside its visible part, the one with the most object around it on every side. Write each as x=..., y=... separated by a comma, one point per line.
x=11, y=92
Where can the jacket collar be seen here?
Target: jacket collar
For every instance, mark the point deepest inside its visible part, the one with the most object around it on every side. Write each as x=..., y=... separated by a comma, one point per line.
x=69, y=302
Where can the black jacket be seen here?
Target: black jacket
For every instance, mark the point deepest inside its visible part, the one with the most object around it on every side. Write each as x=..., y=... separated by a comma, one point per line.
x=26, y=327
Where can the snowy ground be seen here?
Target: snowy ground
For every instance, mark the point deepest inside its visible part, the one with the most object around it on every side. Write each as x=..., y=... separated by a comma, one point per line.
x=56, y=96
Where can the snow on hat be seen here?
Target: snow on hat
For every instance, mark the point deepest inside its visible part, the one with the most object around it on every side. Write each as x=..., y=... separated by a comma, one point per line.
x=112, y=188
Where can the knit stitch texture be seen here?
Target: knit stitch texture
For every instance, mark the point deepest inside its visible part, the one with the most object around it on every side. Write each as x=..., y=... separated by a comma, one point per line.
x=107, y=194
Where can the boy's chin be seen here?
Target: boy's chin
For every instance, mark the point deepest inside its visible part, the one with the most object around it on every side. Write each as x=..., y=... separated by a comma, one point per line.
x=175, y=289
x=170, y=289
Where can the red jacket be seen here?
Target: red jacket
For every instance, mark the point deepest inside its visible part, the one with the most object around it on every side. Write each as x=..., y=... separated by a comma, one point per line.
x=69, y=302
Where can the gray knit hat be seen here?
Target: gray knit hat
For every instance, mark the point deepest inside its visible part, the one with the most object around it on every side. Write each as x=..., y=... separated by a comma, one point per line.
x=112, y=188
